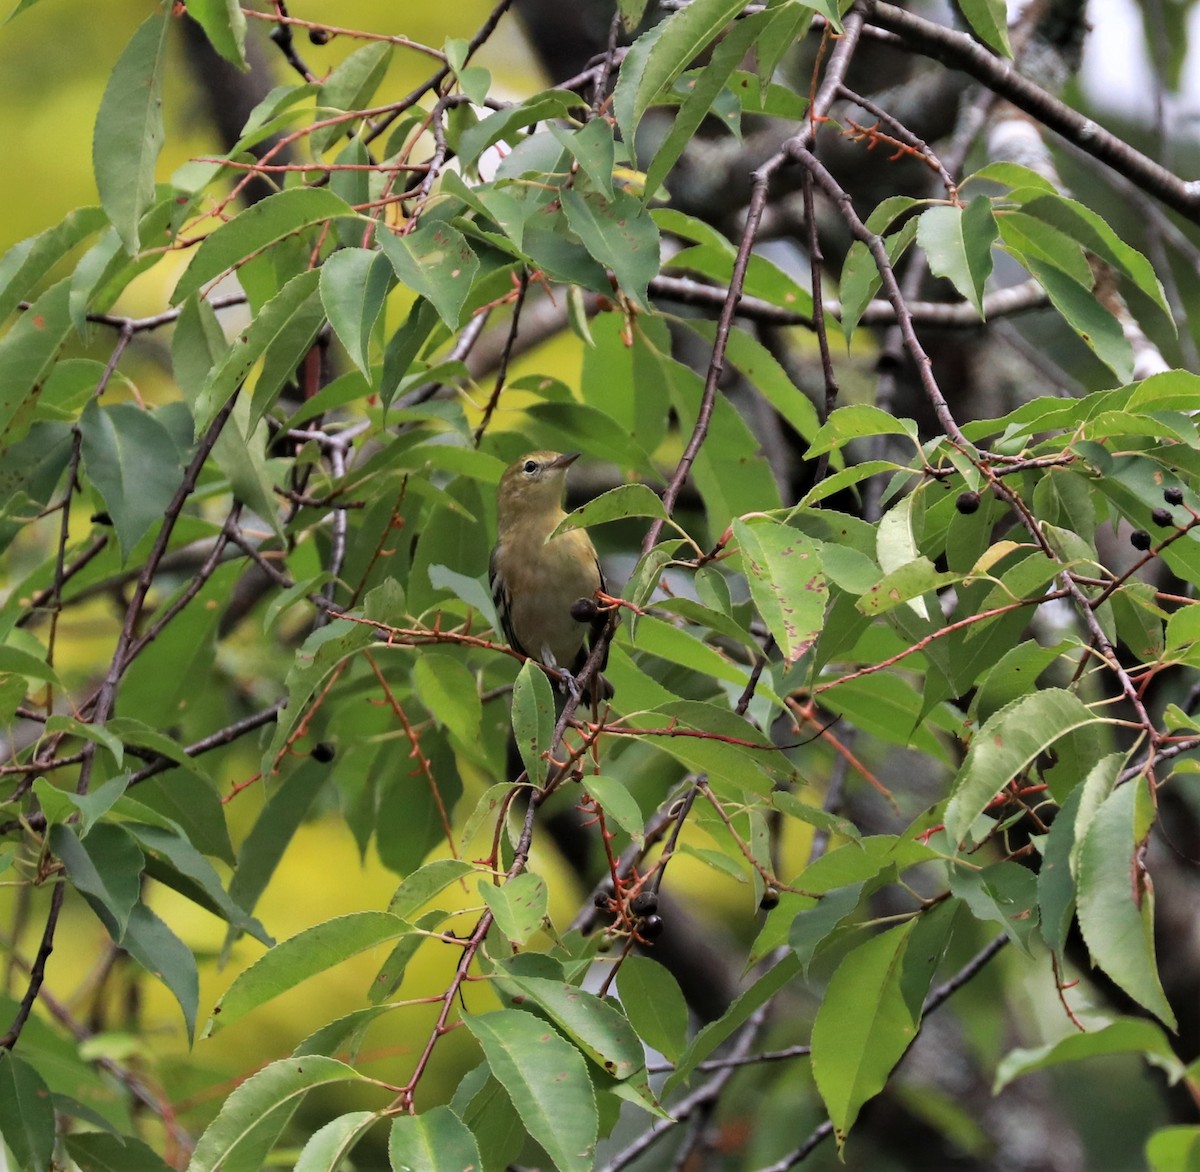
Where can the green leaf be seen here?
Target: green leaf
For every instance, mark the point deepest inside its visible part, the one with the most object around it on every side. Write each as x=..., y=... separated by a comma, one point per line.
x=354, y=285
x=1125, y=1036
x=129, y=129
x=703, y=91
x=595, y=1026
x=273, y=322
x=257, y=228
x=1004, y=747
x=96, y=733
x=424, y=883
x=958, y=242
x=278, y=1086
x=1116, y=903
x=26, y=1114
x=1174, y=1149
x=871, y=1013
x=654, y=1005
x=434, y=1141
x=673, y=46
x=328, y=1147
x=618, y=804
x=847, y=423
x=907, y=582
x=1081, y=310
x=547, y=1080
x=133, y=462
x=203, y=884
x=617, y=504
x=27, y=354
x=532, y=718
x=520, y=907
x=160, y=952
x=813, y=926
x=1005, y=893
x=106, y=868
x=304, y=955
x=619, y=234
x=350, y=86
x=263, y=847
x=25, y=264
x=713, y=1034
x=225, y=26
x=989, y=19
x=93, y=1151
x=594, y=151
x=435, y=261
x=448, y=689
x=786, y=582
x=323, y=650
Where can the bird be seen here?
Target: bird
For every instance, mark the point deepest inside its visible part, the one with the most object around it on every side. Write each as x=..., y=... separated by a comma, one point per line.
x=545, y=591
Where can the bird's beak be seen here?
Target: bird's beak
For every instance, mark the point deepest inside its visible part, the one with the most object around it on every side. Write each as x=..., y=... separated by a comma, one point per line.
x=564, y=461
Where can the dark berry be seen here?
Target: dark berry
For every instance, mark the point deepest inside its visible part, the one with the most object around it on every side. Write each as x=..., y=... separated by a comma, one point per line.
x=1173, y=495
x=583, y=610
x=1140, y=539
x=651, y=928
x=645, y=903
x=770, y=899
x=968, y=502
x=1161, y=517
x=323, y=752
x=318, y=36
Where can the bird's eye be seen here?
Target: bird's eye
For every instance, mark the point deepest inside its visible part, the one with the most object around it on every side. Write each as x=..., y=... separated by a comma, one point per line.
x=531, y=466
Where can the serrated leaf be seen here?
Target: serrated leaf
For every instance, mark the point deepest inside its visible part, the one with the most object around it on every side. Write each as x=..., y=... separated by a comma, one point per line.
x=1116, y=907
x=520, y=907
x=267, y=222
x=434, y=1141
x=133, y=462
x=546, y=1079
x=1004, y=747
x=958, y=242
x=224, y=24
x=328, y=1146
x=594, y=1025
x=532, y=718
x=304, y=955
x=654, y=1005
x=424, y=883
x=354, y=285
x=350, y=86
x=989, y=19
x=1126, y=1036
x=617, y=504
x=714, y=1033
x=277, y=1086
x=673, y=46
x=26, y=1114
x=1081, y=310
x=27, y=354
x=619, y=234
x=786, y=582
x=129, y=129
x=705, y=87
x=26, y=263
x=272, y=322
x=435, y=261
x=106, y=868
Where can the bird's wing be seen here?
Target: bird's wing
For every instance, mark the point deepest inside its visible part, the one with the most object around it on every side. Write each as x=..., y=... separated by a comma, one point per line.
x=502, y=603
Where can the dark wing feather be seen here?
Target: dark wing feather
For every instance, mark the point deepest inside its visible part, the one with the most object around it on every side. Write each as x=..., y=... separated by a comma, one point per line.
x=503, y=607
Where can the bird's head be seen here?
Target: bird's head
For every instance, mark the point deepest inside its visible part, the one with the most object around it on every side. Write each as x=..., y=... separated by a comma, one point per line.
x=534, y=483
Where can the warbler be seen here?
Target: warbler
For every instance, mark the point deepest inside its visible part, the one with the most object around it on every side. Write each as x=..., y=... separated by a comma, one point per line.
x=544, y=591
